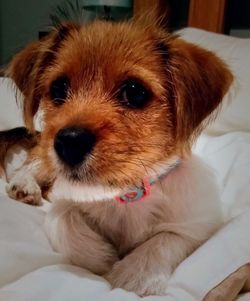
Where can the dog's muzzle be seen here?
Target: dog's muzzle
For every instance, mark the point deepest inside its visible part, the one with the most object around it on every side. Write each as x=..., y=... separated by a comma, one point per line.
x=73, y=144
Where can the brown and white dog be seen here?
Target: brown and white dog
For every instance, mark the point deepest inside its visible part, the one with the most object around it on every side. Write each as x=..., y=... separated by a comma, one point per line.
x=121, y=104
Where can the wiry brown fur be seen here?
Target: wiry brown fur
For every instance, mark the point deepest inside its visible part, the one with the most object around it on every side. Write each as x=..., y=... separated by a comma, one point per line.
x=186, y=85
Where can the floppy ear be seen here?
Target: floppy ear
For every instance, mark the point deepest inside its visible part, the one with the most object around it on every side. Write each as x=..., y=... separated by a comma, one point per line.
x=22, y=70
x=28, y=67
x=200, y=80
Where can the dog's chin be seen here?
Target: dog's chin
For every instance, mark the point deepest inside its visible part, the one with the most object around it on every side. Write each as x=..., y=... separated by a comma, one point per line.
x=76, y=190
x=74, y=175
x=77, y=177
x=80, y=184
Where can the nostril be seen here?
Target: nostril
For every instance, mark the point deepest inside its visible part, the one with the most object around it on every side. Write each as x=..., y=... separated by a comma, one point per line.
x=73, y=144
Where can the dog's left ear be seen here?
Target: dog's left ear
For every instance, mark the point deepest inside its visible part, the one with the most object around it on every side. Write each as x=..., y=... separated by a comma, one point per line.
x=27, y=68
x=22, y=70
x=200, y=80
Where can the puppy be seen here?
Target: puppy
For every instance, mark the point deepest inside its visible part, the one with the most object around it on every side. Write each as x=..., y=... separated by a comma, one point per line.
x=121, y=104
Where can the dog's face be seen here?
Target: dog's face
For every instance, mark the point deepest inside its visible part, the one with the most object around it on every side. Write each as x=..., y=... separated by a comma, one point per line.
x=117, y=100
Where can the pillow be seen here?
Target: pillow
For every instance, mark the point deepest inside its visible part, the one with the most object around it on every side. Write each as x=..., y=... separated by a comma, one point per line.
x=235, y=111
x=10, y=109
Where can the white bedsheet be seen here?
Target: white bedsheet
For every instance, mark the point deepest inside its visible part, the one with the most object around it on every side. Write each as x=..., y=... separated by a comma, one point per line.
x=31, y=270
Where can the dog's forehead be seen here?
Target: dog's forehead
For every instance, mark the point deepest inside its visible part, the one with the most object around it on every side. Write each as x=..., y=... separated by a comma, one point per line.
x=118, y=37
x=108, y=51
x=108, y=41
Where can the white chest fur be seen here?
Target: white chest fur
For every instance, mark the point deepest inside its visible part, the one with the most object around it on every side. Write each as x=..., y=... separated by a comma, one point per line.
x=186, y=202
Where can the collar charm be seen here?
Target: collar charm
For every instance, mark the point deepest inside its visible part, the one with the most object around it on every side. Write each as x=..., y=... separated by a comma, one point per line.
x=140, y=193
x=136, y=193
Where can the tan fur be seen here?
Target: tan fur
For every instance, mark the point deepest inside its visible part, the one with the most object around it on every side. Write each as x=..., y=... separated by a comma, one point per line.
x=134, y=247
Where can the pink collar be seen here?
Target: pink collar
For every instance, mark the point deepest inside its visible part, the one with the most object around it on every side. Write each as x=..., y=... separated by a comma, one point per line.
x=139, y=193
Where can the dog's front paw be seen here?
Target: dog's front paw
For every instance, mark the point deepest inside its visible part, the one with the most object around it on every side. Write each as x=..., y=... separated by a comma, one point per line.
x=135, y=279
x=24, y=188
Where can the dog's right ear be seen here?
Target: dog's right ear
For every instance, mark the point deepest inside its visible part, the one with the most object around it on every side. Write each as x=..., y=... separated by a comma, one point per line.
x=29, y=65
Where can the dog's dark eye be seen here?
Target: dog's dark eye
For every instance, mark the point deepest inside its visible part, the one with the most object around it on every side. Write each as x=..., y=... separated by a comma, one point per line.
x=59, y=90
x=134, y=94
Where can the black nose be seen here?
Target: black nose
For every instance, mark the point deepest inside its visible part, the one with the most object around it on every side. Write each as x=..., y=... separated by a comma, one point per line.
x=73, y=144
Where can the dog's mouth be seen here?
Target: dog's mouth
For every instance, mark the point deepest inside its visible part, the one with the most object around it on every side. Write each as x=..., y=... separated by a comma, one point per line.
x=78, y=174
x=81, y=158
x=78, y=166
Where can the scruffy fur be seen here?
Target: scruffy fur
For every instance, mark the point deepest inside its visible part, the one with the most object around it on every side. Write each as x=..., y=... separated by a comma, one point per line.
x=137, y=246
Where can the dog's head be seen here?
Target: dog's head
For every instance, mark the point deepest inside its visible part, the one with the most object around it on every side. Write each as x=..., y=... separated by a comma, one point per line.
x=118, y=99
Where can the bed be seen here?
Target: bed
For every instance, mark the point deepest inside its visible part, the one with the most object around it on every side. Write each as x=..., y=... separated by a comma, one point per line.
x=30, y=270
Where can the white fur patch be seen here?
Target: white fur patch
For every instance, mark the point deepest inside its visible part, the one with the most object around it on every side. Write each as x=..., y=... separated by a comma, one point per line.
x=39, y=120
x=23, y=187
x=14, y=159
x=162, y=167
x=63, y=189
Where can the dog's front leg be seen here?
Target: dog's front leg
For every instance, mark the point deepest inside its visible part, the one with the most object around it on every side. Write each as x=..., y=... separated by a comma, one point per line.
x=23, y=185
x=147, y=268
x=75, y=236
